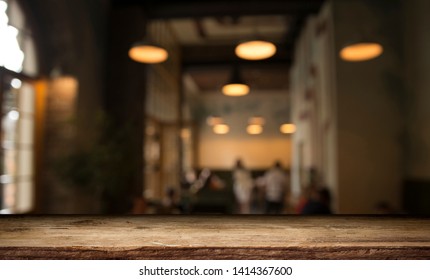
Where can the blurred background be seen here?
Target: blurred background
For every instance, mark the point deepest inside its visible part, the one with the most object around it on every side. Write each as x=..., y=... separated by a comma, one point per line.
x=222, y=107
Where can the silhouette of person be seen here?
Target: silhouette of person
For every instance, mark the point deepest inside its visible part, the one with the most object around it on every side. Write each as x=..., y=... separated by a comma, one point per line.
x=319, y=203
x=276, y=183
x=243, y=185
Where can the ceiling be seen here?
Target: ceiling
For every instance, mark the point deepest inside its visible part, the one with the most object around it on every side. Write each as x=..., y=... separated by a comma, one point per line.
x=208, y=32
x=208, y=50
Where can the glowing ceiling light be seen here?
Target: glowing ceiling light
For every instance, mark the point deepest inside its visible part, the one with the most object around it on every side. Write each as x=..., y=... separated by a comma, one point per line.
x=221, y=129
x=235, y=87
x=361, y=51
x=144, y=52
x=288, y=128
x=255, y=50
x=185, y=133
x=254, y=129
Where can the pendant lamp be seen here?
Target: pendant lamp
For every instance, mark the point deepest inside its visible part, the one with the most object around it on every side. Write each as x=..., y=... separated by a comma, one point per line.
x=288, y=128
x=255, y=125
x=361, y=51
x=236, y=86
x=149, y=53
x=221, y=129
x=254, y=129
x=255, y=50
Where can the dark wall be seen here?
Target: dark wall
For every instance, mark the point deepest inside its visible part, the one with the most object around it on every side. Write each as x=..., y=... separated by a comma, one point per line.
x=125, y=103
x=71, y=40
x=89, y=41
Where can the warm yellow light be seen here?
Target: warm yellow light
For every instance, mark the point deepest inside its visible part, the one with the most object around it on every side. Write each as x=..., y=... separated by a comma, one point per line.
x=235, y=89
x=221, y=129
x=185, y=133
x=254, y=129
x=361, y=51
x=255, y=50
x=214, y=120
x=256, y=121
x=288, y=128
x=148, y=54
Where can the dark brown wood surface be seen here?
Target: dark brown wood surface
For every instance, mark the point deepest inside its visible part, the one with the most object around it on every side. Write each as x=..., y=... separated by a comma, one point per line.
x=214, y=237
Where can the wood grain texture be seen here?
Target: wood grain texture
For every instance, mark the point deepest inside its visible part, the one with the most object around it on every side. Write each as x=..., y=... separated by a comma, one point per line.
x=214, y=237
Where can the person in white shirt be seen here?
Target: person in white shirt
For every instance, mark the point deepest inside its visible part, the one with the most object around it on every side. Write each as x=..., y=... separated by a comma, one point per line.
x=276, y=186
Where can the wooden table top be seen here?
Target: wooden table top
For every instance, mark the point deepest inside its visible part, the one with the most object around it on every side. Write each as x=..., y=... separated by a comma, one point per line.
x=214, y=237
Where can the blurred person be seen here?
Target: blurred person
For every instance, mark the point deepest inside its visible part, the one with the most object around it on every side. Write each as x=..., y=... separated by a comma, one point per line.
x=310, y=189
x=303, y=199
x=139, y=206
x=319, y=202
x=215, y=183
x=242, y=187
x=258, y=199
x=185, y=197
x=384, y=208
x=170, y=203
x=275, y=181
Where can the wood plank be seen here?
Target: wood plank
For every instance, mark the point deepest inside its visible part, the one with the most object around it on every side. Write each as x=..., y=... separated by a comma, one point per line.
x=214, y=237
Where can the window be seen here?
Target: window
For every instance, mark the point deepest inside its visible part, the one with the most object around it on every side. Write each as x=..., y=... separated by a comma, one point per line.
x=17, y=99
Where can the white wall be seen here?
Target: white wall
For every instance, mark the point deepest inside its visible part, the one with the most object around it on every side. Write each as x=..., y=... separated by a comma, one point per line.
x=221, y=152
x=313, y=105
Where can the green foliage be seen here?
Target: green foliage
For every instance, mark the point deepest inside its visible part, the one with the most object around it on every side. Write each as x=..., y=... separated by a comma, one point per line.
x=76, y=170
